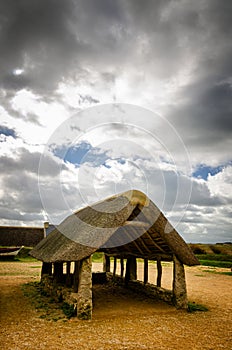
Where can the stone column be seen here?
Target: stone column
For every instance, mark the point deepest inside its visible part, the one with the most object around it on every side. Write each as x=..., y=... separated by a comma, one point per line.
x=84, y=297
x=179, y=286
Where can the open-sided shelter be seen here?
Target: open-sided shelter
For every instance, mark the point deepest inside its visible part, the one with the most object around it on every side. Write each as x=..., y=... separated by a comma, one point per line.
x=125, y=226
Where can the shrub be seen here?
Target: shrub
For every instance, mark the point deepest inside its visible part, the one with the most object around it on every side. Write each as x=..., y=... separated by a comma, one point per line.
x=215, y=249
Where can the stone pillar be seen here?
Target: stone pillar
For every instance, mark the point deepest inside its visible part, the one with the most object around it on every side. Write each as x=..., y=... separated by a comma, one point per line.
x=84, y=297
x=145, y=274
x=179, y=286
x=159, y=273
x=106, y=263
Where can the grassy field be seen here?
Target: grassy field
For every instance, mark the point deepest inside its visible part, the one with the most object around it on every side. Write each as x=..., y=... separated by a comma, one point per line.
x=215, y=255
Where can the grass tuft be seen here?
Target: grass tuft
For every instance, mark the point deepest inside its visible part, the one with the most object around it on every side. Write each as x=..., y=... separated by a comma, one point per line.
x=192, y=307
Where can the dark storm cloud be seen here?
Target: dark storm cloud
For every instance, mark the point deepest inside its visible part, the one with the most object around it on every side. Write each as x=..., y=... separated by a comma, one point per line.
x=203, y=111
x=56, y=40
x=206, y=114
x=35, y=35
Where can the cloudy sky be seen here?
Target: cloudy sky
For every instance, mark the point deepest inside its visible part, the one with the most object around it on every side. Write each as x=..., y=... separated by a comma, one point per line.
x=101, y=96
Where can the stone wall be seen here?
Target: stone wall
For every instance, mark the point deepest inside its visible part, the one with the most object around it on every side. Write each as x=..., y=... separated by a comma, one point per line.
x=11, y=236
x=148, y=289
x=63, y=293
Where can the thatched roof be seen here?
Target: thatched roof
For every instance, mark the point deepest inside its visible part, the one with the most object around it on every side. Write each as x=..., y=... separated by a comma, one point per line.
x=128, y=224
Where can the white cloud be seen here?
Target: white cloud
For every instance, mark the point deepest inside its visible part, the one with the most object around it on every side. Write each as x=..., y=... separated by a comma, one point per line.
x=221, y=183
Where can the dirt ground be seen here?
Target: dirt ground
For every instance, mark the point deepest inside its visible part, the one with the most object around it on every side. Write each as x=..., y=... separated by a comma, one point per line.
x=120, y=320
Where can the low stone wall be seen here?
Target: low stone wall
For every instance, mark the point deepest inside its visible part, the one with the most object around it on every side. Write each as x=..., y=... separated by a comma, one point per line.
x=59, y=292
x=63, y=293
x=148, y=289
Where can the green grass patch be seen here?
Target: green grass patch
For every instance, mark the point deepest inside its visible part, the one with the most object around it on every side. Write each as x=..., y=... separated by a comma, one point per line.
x=200, y=275
x=227, y=273
x=26, y=259
x=215, y=260
x=192, y=307
x=97, y=257
x=215, y=257
x=47, y=307
x=226, y=264
x=22, y=256
x=68, y=310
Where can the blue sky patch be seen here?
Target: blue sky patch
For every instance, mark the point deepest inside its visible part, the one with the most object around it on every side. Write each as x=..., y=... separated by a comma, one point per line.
x=4, y=130
x=81, y=153
x=203, y=171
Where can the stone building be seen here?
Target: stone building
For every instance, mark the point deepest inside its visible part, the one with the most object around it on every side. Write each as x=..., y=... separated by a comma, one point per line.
x=126, y=226
x=11, y=236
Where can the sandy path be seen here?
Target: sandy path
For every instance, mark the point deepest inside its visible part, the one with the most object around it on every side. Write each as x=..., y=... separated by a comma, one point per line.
x=120, y=320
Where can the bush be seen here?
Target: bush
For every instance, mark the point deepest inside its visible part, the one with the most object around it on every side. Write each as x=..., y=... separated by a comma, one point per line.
x=198, y=250
x=215, y=249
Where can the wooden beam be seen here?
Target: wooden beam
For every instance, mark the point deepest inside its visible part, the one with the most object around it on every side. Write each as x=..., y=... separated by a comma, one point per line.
x=127, y=275
x=133, y=241
x=115, y=266
x=76, y=276
x=136, y=224
x=143, y=244
x=68, y=280
x=58, y=272
x=131, y=269
x=122, y=266
x=145, y=274
x=153, y=242
x=106, y=263
x=159, y=274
